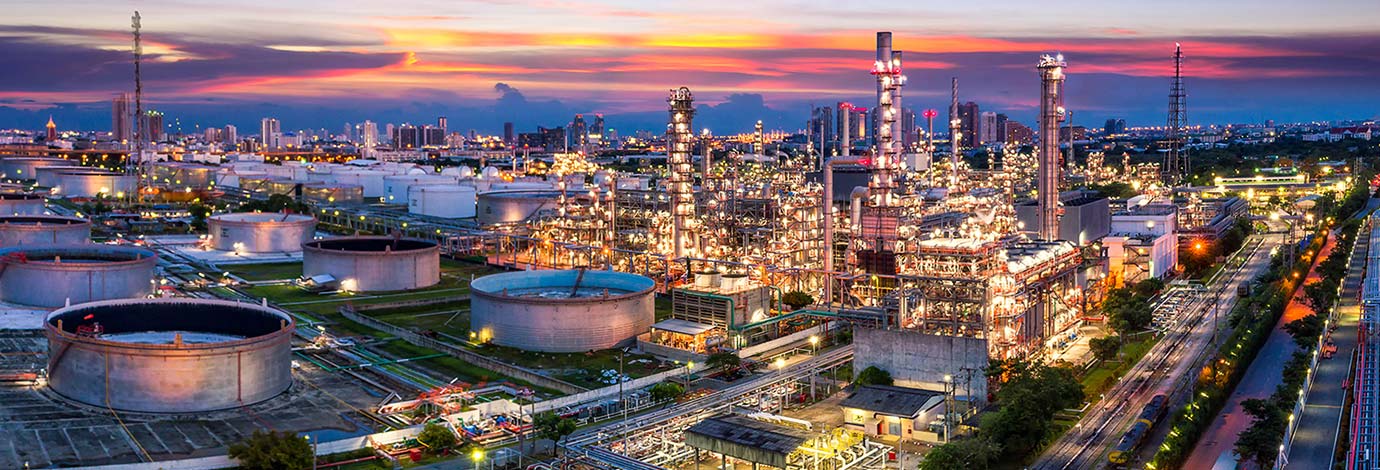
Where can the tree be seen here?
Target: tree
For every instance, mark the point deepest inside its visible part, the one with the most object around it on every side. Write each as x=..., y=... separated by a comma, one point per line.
x=436, y=437
x=1029, y=398
x=1105, y=348
x=667, y=391
x=1305, y=330
x=797, y=299
x=1149, y=287
x=272, y=450
x=873, y=376
x=973, y=453
x=1127, y=312
x=726, y=362
x=199, y=213
x=1319, y=295
x=552, y=426
x=1260, y=442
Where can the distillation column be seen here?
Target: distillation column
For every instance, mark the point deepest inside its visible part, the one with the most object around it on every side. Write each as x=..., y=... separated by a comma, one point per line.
x=680, y=140
x=1051, y=111
x=887, y=69
x=955, y=134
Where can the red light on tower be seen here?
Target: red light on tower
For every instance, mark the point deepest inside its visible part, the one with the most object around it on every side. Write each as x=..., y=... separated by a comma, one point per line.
x=930, y=114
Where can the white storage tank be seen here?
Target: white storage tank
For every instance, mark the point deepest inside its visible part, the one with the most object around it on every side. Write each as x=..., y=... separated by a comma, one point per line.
x=47, y=176
x=21, y=204
x=447, y=201
x=370, y=180
x=91, y=182
x=260, y=232
x=395, y=186
x=25, y=168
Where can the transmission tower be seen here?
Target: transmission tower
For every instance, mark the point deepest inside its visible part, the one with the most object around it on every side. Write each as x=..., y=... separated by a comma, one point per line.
x=1176, y=166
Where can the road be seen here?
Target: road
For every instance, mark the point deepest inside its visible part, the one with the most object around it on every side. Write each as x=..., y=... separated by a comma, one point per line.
x=1161, y=371
x=1315, y=439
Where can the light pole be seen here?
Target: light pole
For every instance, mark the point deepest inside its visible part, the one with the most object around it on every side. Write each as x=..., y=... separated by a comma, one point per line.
x=814, y=342
x=314, y=442
x=623, y=405
x=689, y=366
x=477, y=456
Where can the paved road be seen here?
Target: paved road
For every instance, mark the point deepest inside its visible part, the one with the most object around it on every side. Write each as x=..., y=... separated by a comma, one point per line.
x=1315, y=439
x=1159, y=372
x=1259, y=381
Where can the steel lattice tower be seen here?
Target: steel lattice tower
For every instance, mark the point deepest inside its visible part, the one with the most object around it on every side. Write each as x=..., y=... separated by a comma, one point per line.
x=1176, y=166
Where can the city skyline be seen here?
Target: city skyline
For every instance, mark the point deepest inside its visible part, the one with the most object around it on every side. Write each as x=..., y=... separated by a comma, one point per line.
x=484, y=63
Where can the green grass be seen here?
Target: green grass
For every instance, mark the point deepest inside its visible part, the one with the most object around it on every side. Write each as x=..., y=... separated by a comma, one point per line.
x=583, y=369
x=449, y=366
x=1104, y=375
x=266, y=271
x=663, y=307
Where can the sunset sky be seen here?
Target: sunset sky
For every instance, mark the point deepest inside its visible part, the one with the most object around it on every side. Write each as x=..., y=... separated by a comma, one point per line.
x=323, y=63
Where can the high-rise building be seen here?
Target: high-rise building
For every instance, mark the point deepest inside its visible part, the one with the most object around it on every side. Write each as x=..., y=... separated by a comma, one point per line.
x=908, y=135
x=211, y=135
x=231, y=135
x=121, y=118
x=508, y=134
x=406, y=136
x=152, y=122
x=270, y=133
x=823, y=127
x=544, y=139
x=1020, y=134
x=987, y=126
x=969, y=124
x=596, y=131
x=579, y=134
x=369, y=135
x=431, y=136
x=348, y=133
x=1114, y=126
x=388, y=131
x=441, y=123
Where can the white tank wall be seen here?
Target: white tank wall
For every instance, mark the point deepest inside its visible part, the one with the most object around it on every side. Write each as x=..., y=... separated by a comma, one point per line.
x=85, y=273
x=372, y=271
x=90, y=184
x=561, y=325
x=21, y=204
x=26, y=168
x=48, y=176
x=452, y=202
x=43, y=230
x=260, y=232
x=370, y=180
x=512, y=206
x=396, y=187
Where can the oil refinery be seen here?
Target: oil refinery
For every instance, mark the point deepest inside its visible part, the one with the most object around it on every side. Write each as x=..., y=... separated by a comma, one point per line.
x=854, y=295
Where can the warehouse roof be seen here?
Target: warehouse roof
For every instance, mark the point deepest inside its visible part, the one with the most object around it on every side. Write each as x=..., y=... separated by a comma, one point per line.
x=891, y=400
x=746, y=438
x=681, y=326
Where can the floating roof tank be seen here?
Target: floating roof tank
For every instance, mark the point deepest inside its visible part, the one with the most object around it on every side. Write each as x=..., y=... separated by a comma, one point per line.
x=54, y=275
x=21, y=204
x=18, y=230
x=152, y=356
x=367, y=264
x=561, y=311
x=258, y=232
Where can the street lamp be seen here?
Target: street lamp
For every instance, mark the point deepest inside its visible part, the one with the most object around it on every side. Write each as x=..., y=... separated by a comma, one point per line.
x=780, y=363
x=689, y=366
x=814, y=342
x=477, y=456
x=313, y=441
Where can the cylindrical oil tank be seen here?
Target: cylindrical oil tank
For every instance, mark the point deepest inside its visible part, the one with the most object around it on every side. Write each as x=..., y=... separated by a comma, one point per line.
x=169, y=355
x=368, y=264
x=333, y=193
x=370, y=180
x=183, y=175
x=26, y=168
x=92, y=182
x=561, y=311
x=448, y=201
x=52, y=275
x=395, y=186
x=232, y=178
x=259, y=232
x=21, y=204
x=503, y=207
x=47, y=176
x=16, y=230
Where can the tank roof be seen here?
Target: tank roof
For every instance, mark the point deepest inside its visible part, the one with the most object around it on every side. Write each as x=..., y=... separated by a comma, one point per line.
x=131, y=316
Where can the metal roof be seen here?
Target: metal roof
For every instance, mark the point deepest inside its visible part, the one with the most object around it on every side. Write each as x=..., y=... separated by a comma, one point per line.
x=681, y=326
x=892, y=400
x=746, y=438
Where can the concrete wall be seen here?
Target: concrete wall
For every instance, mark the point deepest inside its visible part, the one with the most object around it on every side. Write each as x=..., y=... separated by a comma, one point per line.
x=43, y=230
x=52, y=284
x=373, y=271
x=921, y=360
x=261, y=233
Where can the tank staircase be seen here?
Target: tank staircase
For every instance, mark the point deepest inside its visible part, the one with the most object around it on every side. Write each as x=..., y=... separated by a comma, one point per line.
x=575, y=289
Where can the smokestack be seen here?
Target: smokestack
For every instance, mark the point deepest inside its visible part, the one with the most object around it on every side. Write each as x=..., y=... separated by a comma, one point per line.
x=1051, y=111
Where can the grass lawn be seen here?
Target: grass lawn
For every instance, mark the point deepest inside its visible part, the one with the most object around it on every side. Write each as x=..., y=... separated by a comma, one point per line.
x=449, y=366
x=266, y=271
x=583, y=369
x=1100, y=378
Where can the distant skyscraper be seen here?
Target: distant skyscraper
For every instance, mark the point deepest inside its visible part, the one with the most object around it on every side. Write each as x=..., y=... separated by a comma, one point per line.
x=1000, y=131
x=121, y=118
x=969, y=124
x=822, y=127
x=405, y=137
x=442, y=124
x=1017, y=133
x=270, y=133
x=231, y=135
x=1114, y=126
x=508, y=134
x=987, y=128
x=211, y=135
x=579, y=134
x=153, y=125
x=596, y=131
x=432, y=136
x=369, y=135
x=348, y=132
x=908, y=134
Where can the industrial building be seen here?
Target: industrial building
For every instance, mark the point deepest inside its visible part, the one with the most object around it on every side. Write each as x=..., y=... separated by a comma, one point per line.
x=150, y=356
x=1143, y=243
x=561, y=311
x=1086, y=217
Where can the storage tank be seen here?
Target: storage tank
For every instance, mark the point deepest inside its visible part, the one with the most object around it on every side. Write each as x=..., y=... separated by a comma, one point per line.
x=505, y=207
x=91, y=182
x=232, y=178
x=26, y=168
x=183, y=175
x=367, y=264
x=370, y=180
x=47, y=176
x=154, y=356
x=16, y=230
x=21, y=204
x=52, y=275
x=395, y=187
x=260, y=232
x=333, y=193
x=446, y=201
x=561, y=311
